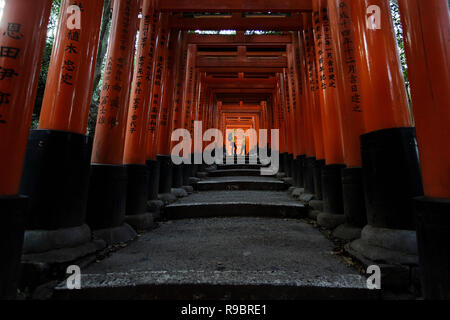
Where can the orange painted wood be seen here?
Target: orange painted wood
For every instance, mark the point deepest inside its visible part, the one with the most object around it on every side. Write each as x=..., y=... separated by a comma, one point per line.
x=426, y=26
x=140, y=99
x=280, y=117
x=268, y=41
x=347, y=79
x=180, y=69
x=291, y=138
x=159, y=85
x=25, y=27
x=236, y=23
x=328, y=90
x=168, y=100
x=382, y=84
x=293, y=102
x=234, y=5
x=307, y=121
x=188, y=95
x=68, y=92
x=109, y=141
x=315, y=112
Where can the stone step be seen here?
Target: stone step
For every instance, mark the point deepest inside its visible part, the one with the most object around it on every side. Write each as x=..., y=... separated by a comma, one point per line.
x=237, y=166
x=234, y=209
x=235, y=258
x=236, y=204
x=235, y=173
x=241, y=183
x=217, y=285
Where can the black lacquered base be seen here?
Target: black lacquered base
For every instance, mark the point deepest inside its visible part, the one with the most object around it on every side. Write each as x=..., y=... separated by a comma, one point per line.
x=332, y=189
x=12, y=210
x=283, y=162
x=317, y=173
x=137, y=189
x=177, y=178
x=298, y=171
x=308, y=174
x=433, y=229
x=166, y=173
x=107, y=196
x=391, y=176
x=153, y=182
x=353, y=196
x=56, y=178
x=187, y=173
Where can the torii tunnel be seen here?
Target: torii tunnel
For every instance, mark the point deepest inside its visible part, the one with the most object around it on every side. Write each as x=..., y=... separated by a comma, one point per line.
x=326, y=73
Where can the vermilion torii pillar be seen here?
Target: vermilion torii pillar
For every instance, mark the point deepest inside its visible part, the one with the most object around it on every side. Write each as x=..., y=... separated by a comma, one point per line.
x=21, y=46
x=351, y=109
x=57, y=165
x=137, y=124
x=426, y=26
x=307, y=121
x=281, y=123
x=187, y=98
x=108, y=183
x=333, y=208
x=300, y=77
x=390, y=162
x=297, y=114
x=291, y=139
x=180, y=70
x=314, y=165
x=165, y=117
x=159, y=79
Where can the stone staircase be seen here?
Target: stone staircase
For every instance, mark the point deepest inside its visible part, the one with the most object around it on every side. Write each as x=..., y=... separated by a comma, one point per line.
x=240, y=236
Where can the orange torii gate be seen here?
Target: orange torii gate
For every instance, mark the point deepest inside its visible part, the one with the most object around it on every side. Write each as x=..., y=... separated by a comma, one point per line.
x=331, y=83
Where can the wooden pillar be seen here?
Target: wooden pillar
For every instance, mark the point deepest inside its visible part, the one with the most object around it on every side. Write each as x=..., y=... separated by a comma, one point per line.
x=108, y=183
x=389, y=152
x=158, y=124
x=139, y=113
x=57, y=165
x=180, y=71
x=280, y=119
x=22, y=44
x=187, y=100
x=305, y=101
x=426, y=27
x=159, y=82
x=351, y=109
x=313, y=164
x=330, y=109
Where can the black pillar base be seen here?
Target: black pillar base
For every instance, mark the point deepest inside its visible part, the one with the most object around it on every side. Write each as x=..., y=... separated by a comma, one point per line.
x=177, y=178
x=137, y=189
x=332, y=189
x=187, y=173
x=308, y=174
x=433, y=229
x=12, y=229
x=107, y=196
x=298, y=171
x=166, y=173
x=288, y=165
x=56, y=178
x=317, y=173
x=283, y=162
x=153, y=182
x=353, y=196
x=391, y=176
x=292, y=163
